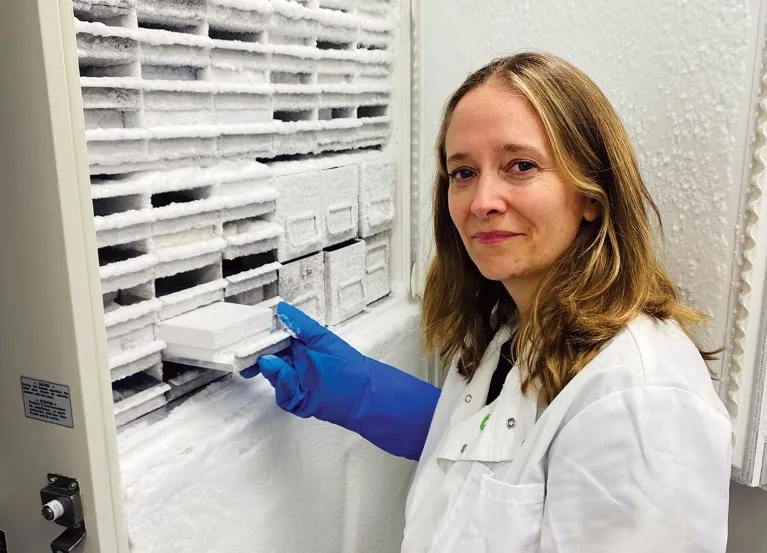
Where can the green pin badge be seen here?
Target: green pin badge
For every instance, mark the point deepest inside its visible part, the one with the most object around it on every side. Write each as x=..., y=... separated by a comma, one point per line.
x=484, y=422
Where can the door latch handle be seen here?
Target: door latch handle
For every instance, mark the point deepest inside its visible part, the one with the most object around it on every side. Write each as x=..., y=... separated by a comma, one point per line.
x=63, y=505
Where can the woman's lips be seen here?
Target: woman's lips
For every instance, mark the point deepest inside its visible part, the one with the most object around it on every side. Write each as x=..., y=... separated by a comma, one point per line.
x=493, y=237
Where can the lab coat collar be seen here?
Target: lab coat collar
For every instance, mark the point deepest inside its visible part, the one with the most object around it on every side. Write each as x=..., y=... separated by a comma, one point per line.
x=489, y=433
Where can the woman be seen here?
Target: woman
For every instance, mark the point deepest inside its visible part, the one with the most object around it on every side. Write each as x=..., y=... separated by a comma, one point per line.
x=578, y=414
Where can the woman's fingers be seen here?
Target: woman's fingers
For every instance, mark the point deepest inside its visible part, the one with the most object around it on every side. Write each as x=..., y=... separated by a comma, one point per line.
x=285, y=355
x=308, y=331
x=288, y=391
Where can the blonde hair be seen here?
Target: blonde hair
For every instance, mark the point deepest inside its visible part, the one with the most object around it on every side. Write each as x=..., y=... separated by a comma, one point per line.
x=608, y=276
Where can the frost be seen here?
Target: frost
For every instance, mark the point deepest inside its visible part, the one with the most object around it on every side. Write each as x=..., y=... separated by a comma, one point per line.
x=188, y=251
x=134, y=265
x=177, y=111
x=126, y=313
x=135, y=354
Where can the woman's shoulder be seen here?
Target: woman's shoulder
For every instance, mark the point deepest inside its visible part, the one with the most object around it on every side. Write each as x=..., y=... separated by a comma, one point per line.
x=651, y=354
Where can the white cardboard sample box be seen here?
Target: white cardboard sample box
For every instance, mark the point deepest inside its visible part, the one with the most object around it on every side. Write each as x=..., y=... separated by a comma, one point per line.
x=223, y=336
x=216, y=325
x=377, y=179
x=299, y=209
x=345, y=293
x=340, y=186
x=302, y=283
x=377, y=281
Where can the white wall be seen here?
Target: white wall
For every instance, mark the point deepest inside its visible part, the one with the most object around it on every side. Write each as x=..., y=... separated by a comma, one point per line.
x=683, y=76
x=229, y=471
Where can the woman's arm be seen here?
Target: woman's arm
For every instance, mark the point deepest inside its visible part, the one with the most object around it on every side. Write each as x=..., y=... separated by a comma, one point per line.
x=643, y=470
x=322, y=376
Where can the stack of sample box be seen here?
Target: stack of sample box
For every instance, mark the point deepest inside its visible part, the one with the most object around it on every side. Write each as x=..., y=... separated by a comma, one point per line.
x=236, y=155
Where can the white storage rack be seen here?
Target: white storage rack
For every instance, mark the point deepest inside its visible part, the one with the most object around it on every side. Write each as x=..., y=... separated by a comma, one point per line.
x=235, y=151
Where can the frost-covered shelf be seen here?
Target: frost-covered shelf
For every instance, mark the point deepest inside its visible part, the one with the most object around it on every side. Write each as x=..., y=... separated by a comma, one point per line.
x=109, y=45
x=124, y=150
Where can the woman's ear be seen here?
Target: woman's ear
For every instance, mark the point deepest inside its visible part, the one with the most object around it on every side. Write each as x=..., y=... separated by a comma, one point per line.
x=592, y=210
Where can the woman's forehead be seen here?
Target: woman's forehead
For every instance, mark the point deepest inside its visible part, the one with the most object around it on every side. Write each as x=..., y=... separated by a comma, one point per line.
x=494, y=117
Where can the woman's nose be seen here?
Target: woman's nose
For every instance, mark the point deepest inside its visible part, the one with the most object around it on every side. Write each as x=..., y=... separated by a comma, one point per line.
x=489, y=196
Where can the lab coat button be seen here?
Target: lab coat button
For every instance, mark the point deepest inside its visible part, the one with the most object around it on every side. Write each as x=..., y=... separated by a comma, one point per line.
x=467, y=399
x=464, y=447
x=511, y=423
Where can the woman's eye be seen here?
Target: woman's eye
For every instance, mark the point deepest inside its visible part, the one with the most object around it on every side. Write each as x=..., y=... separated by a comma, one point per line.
x=461, y=174
x=524, y=166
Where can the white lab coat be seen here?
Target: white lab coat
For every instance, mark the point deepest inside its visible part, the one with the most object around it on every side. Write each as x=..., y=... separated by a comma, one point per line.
x=633, y=456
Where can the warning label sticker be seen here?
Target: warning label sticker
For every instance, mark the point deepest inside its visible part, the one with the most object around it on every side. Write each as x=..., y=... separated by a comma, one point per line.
x=46, y=401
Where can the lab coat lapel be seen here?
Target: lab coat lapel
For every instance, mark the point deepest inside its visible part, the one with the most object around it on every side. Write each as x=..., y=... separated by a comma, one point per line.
x=492, y=433
x=474, y=394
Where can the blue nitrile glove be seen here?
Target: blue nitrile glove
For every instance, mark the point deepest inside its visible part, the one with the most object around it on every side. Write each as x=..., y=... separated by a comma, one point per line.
x=322, y=376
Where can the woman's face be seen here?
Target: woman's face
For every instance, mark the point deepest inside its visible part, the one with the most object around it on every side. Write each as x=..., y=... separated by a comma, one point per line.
x=514, y=211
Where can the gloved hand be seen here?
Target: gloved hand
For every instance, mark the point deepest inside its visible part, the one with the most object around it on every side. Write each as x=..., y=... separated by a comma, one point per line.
x=322, y=376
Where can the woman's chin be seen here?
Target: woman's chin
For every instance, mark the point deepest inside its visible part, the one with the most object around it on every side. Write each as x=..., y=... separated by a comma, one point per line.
x=498, y=270
x=497, y=273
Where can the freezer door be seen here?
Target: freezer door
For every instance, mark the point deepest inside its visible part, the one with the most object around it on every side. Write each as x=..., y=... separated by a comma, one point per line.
x=56, y=425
